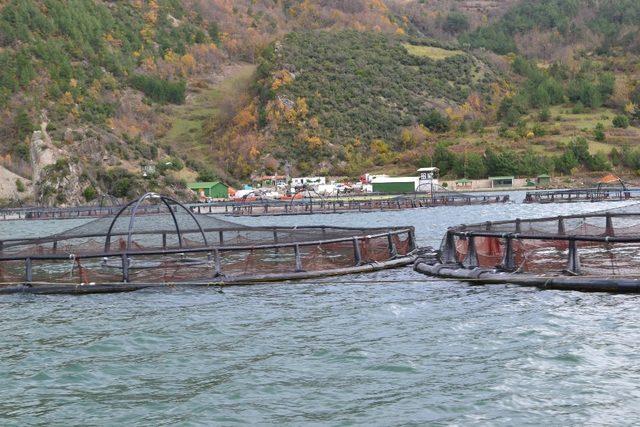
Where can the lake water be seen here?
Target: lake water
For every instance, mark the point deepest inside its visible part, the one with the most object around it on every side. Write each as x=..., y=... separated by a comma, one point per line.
x=391, y=348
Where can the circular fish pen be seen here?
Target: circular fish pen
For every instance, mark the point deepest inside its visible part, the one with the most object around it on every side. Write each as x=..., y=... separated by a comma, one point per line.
x=270, y=207
x=601, y=193
x=319, y=205
x=156, y=241
x=598, y=251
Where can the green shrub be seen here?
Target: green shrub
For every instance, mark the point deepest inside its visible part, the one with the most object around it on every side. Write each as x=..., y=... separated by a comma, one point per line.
x=578, y=108
x=89, y=193
x=171, y=163
x=598, y=132
x=621, y=121
x=20, y=186
x=544, y=115
x=455, y=23
x=158, y=89
x=207, y=176
x=538, y=130
x=122, y=187
x=615, y=157
x=436, y=121
x=599, y=163
x=22, y=125
x=21, y=150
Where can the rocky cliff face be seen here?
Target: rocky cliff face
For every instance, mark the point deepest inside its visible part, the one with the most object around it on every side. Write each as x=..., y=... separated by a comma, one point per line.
x=13, y=187
x=55, y=175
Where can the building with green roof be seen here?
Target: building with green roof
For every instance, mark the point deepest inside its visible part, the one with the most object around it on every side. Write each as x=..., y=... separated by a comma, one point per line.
x=213, y=189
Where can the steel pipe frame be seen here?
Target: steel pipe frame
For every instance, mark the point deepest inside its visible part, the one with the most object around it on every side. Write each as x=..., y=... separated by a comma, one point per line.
x=125, y=255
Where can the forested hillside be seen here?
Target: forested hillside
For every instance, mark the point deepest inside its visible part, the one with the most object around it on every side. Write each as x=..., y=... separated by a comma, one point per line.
x=98, y=80
x=343, y=99
x=558, y=28
x=87, y=73
x=137, y=95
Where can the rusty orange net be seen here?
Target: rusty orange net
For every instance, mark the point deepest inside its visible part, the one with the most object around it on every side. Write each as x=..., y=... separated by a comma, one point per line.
x=600, y=243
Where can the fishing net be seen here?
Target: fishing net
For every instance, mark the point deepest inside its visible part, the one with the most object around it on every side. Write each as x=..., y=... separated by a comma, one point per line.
x=610, y=191
x=602, y=243
x=347, y=204
x=141, y=244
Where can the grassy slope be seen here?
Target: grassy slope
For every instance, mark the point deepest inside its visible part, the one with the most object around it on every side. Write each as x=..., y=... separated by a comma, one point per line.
x=431, y=52
x=566, y=124
x=185, y=135
x=582, y=124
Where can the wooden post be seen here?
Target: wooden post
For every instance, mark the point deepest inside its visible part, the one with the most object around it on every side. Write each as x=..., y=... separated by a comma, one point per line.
x=518, y=225
x=221, y=237
x=164, y=240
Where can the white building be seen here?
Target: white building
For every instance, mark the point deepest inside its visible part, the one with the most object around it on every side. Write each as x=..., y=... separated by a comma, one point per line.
x=308, y=181
x=428, y=180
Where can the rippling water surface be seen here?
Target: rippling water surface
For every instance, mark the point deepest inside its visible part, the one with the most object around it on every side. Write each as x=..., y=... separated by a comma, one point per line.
x=387, y=348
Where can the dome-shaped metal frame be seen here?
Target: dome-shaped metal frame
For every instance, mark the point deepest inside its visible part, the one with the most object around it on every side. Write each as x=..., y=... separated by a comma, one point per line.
x=134, y=209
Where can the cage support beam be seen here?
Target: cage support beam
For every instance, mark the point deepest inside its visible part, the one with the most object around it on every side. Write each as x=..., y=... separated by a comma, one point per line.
x=356, y=251
x=573, y=262
x=471, y=260
x=508, y=262
x=609, y=229
x=449, y=249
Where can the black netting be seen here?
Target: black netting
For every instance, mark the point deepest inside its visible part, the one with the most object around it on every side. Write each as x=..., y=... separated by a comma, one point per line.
x=601, y=243
x=143, y=244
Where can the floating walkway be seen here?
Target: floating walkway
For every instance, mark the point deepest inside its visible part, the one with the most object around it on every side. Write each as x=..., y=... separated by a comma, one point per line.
x=589, y=252
x=128, y=251
x=345, y=205
x=598, y=194
x=307, y=206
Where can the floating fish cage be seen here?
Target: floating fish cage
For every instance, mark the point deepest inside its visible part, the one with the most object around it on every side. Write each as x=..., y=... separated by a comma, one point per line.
x=596, y=194
x=311, y=206
x=74, y=212
x=597, y=251
x=306, y=206
x=138, y=248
